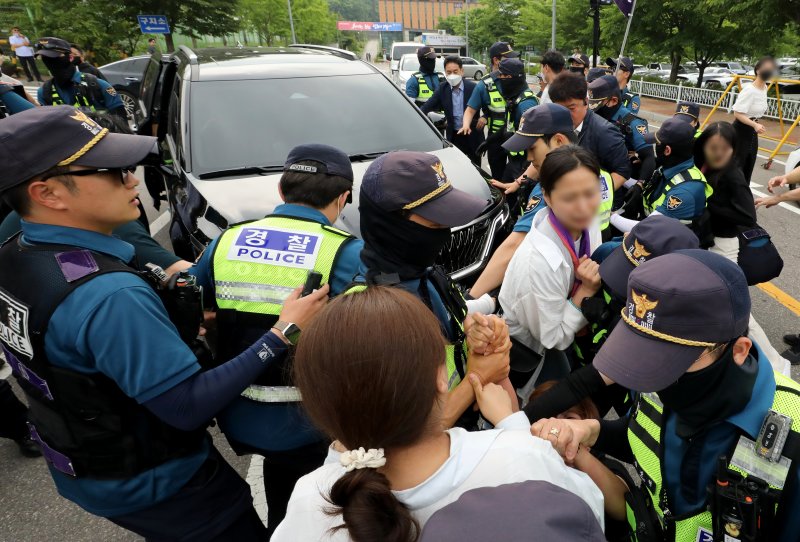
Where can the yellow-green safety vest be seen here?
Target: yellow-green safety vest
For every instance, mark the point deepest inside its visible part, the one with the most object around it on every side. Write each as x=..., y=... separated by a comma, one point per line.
x=644, y=436
x=81, y=100
x=425, y=92
x=606, y=199
x=496, y=107
x=256, y=265
x=453, y=370
x=691, y=174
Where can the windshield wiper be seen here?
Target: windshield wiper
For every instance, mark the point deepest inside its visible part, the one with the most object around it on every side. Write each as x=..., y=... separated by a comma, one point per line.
x=360, y=157
x=245, y=170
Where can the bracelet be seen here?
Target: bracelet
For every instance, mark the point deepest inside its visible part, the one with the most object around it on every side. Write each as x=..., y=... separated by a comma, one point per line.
x=278, y=333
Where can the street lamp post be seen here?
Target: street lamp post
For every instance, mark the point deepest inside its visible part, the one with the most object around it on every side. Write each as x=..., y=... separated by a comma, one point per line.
x=466, y=23
x=553, y=34
x=291, y=21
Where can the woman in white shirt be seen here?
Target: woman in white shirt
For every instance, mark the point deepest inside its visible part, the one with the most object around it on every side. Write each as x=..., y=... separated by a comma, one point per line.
x=750, y=106
x=551, y=272
x=371, y=369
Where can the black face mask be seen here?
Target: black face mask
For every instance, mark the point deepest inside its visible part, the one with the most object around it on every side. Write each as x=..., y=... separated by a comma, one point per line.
x=61, y=69
x=576, y=69
x=710, y=395
x=766, y=75
x=77, y=61
x=427, y=65
x=511, y=88
x=607, y=111
x=394, y=244
x=677, y=156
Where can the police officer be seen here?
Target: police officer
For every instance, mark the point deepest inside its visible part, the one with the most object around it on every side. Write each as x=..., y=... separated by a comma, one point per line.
x=689, y=112
x=76, y=57
x=72, y=87
x=579, y=63
x=407, y=206
x=422, y=84
x=248, y=271
x=519, y=98
x=714, y=428
x=622, y=68
x=118, y=403
x=677, y=188
x=489, y=97
x=595, y=73
x=605, y=100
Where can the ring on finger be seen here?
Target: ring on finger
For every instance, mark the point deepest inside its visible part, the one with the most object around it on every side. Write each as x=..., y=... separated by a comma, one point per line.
x=555, y=431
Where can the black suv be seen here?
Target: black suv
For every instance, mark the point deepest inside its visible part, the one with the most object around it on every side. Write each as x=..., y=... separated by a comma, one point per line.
x=227, y=119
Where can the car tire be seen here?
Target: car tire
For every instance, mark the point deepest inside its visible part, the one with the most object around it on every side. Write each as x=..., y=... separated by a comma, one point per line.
x=477, y=76
x=130, y=104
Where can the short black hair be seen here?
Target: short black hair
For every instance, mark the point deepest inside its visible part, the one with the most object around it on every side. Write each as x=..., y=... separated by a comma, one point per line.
x=568, y=86
x=76, y=46
x=316, y=190
x=18, y=199
x=454, y=59
x=571, y=136
x=554, y=60
x=151, y=40
x=561, y=161
x=14, y=28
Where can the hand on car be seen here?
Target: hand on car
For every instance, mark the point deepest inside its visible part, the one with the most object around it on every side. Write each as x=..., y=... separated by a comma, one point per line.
x=507, y=188
x=493, y=400
x=567, y=436
x=465, y=130
x=780, y=180
x=301, y=310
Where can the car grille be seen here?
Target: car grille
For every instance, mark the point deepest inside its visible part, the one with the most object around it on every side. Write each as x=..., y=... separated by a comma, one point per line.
x=471, y=245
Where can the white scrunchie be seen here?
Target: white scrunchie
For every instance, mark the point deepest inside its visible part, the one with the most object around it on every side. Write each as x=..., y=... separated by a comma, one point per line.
x=362, y=459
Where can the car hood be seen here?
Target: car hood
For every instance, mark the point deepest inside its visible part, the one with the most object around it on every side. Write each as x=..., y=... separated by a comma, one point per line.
x=243, y=198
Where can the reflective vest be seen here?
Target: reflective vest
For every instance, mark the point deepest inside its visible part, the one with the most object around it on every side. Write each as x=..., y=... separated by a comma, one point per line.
x=511, y=128
x=498, y=119
x=455, y=354
x=644, y=436
x=425, y=92
x=691, y=174
x=255, y=266
x=83, y=99
x=606, y=199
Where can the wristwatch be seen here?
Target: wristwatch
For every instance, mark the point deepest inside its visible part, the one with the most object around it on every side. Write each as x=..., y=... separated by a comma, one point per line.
x=289, y=330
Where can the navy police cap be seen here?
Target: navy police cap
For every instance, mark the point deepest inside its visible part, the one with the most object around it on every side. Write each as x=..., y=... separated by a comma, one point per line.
x=328, y=160
x=545, y=119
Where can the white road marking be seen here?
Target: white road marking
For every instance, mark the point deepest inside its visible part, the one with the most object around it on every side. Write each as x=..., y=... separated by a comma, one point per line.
x=159, y=223
x=255, y=477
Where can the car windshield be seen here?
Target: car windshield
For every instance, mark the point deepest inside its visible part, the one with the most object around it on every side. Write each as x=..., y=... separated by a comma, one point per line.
x=734, y=66
x=260, y=121
x=400, y=50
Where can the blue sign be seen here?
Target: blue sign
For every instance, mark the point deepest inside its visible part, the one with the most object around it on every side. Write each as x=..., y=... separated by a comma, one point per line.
x=276, y=246
x=387, y=27
x=153, y=24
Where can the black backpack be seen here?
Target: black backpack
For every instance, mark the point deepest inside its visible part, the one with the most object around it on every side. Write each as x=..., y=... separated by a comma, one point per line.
x=89, y=82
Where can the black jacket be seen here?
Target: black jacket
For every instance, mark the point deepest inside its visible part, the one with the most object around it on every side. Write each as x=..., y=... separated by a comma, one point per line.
x=731, y=206
x=606, y=142
x=442, y=99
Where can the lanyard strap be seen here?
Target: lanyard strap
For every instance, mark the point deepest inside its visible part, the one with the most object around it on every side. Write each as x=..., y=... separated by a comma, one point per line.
x=566, y=240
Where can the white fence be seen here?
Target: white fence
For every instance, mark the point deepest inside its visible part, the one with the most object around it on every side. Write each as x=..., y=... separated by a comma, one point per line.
x=709, y=97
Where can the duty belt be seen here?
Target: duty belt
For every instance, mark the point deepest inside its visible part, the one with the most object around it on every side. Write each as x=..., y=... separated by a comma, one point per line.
x=272, y=394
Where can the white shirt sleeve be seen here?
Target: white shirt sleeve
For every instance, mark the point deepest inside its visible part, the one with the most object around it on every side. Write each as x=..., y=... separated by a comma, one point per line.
x=621, y=223
x=547, y=313
x=517, y=420
x=744, y=102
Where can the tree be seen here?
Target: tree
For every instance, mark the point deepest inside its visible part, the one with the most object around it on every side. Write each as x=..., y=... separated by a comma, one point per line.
x=313, y=21
x=493, y=21
x=269, y=19
x=355, y=10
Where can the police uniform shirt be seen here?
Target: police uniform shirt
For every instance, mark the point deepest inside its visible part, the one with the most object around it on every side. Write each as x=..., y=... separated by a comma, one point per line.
x=115, y=324
x=412, y=85
x=634, y=140
x=602, y=138
x=281, y=426
x=685, y=201
x=690, y=465
x=506, y=455
x=111, y=99
x=480, y=95
x=635, y=102
x=535, y=204
x=15, y=103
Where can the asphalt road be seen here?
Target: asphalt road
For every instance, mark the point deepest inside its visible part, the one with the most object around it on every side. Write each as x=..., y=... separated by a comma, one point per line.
x=32, y=511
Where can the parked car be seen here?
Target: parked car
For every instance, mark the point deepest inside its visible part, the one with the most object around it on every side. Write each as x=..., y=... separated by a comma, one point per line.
x=126, y=76
x=224, y=157
x=717, y=78
x=473, y=68
x=661, y=70
x=409, y=65
x=734, y=67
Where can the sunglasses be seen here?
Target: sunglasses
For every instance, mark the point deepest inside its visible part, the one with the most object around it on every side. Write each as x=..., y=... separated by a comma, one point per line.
x=121, y=171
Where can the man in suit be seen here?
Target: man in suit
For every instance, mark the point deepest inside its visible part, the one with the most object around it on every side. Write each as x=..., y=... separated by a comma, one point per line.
x=453, y=98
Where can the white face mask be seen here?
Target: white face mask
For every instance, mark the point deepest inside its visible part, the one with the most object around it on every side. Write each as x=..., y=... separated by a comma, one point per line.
x=454, y=79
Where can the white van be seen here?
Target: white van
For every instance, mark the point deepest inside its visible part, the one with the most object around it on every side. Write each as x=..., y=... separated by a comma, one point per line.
x=400, y=48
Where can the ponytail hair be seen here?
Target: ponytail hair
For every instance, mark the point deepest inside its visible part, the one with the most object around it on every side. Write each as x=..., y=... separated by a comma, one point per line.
x=370, y=510
x=372, y=390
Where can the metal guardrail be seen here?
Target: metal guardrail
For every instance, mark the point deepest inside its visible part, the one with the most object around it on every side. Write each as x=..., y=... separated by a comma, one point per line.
x=709, y=97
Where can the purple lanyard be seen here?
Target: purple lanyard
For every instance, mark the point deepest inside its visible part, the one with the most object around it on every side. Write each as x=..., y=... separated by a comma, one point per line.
x=566, y=239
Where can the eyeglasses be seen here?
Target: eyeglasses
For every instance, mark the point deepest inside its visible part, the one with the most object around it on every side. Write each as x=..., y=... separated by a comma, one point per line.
x=121, y=171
